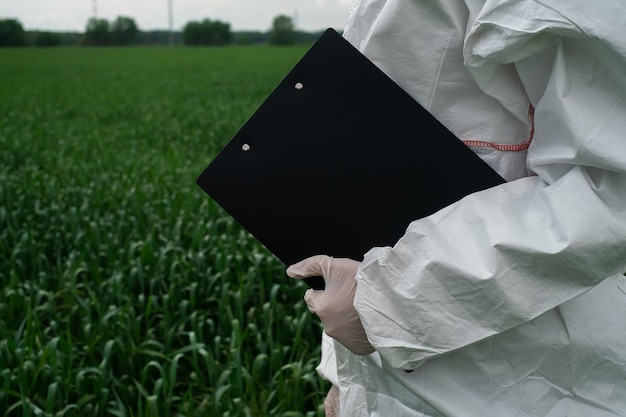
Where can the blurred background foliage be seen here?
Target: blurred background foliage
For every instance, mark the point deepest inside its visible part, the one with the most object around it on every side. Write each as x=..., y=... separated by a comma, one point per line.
x=125, y=31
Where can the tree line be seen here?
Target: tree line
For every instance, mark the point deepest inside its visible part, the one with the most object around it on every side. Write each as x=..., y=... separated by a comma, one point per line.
x=124, y=31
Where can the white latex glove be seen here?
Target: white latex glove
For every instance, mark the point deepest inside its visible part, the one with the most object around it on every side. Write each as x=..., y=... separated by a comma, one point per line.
x=333, y=305
x=331, y=403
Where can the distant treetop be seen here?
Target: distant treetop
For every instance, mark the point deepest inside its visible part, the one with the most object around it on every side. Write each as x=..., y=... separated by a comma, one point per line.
x=283, y=31
x=207, y=32
x=11, y=33
x=99, y=32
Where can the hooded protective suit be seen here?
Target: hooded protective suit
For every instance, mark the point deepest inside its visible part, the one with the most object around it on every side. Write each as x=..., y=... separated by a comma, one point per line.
x=511, y=302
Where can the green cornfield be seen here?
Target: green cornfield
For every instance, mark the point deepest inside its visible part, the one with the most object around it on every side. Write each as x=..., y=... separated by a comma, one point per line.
x=126, y=291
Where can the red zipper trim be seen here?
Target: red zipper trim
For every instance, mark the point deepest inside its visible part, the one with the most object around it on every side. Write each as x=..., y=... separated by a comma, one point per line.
x=504, y=147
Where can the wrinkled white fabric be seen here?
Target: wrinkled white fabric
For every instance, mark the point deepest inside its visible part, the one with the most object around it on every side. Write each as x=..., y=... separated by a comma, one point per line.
x=512, y=301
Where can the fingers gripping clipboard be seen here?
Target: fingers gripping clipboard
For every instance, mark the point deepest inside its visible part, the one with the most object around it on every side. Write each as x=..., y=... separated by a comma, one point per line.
x=339, y=159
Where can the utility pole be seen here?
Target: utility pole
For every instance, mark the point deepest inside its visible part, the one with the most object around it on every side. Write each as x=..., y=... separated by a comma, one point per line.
x=171, y=21
x=95, y=9
x=296, y=17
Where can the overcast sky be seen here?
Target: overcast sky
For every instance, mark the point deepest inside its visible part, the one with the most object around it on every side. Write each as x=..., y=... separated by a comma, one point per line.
x=72, y=15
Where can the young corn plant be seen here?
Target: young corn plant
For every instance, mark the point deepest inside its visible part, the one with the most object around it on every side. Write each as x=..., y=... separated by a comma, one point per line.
x=124, y=290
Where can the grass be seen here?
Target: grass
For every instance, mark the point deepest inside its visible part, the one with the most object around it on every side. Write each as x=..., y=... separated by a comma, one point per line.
x=125, y=291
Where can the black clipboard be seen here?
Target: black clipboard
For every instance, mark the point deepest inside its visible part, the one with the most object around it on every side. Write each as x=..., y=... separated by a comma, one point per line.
x=339, y=159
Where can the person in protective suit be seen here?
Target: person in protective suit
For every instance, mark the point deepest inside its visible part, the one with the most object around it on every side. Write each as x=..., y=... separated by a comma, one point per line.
x=512, y=301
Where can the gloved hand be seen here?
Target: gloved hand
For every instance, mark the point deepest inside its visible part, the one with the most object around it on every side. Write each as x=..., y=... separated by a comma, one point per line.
x=331, y=403
x=333, y=305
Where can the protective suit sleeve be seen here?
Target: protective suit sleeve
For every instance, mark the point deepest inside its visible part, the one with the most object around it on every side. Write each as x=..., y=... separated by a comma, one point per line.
x=504, y=256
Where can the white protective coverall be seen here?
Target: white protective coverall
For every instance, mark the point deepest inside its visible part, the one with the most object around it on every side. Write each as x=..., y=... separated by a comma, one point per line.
x=512, y=301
